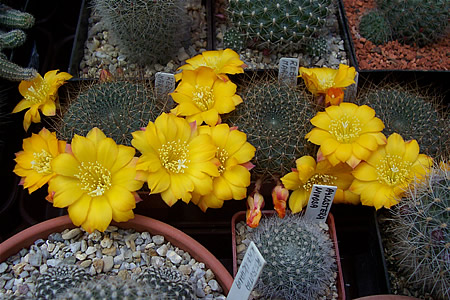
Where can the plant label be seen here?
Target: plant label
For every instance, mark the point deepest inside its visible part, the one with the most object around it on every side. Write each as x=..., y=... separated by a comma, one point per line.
x=164, y=83
x=319, y=203
x=248, y=274
x=288, y=71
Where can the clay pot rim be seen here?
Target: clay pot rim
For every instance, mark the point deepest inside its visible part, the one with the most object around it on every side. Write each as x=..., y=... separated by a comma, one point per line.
x=140, y=223
x=332, y=231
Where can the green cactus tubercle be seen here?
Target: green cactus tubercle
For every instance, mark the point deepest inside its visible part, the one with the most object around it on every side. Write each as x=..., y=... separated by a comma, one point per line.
x=118, y=108
x=279, y=25
x=300, y=258
x=375, y=27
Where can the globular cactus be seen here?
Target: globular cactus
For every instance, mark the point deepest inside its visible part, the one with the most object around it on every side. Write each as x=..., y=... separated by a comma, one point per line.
x=276, y=119
x=317, y=47
x=375, y=27
x=411, y=115
x=118, y=108
x=300, y=258
x=12, y=18
x=421, y=234
x=233, y=39
x=419, y=22
x=58, y=280
x=279, y=25
x=147, y=32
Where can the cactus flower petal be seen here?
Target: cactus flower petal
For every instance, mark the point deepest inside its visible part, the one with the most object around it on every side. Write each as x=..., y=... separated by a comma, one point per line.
x=255, y=203
x=280, y=196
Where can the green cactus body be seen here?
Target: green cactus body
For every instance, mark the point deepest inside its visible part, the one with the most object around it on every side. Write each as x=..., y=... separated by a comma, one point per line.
x=233, y=39
x=13, y=18
x=117, y=108
x=412, y=116
x=146, y=31
x=59, y=280
x=375, y=27
x=421, y=234
x=300, y=258
x=419, y=22
x=279, y=25
x=11, y=39
x=14, y=72
x=317, y=47
x=275, y=118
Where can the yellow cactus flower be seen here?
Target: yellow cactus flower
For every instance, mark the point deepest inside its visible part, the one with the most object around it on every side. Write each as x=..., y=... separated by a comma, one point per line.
x=320, y=80
x=308, y=173
x=33, y=163
x=96, y=181
x=202, y=96
x=346, y=133
x=221, y=61
x=40, y=94
x=175, y=159
x=383, y=178
x=233, y=157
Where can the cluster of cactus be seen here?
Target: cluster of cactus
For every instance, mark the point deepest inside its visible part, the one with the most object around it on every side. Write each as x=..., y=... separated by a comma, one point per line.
x=233, y=39
x=59, y=280
x=72, y=282
x=300, y=258
x=275, y=118
x=118, y=108
x=17, y=21
x=279, y=25
x=419, y=22
x=411, y=115
x=147, y=32
x=421, y=234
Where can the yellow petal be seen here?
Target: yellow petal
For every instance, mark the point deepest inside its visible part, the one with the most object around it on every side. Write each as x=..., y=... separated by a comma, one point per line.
x=365, y=172
x=321, y=120
x=395, y=145
x=78, y=210
x=49, y=108
x=65, y=164
x=329, y=146
x=181, y=185
x=411, y=151
x=298, y=199
x=124, y=156
x=107, y=152
x=343, y=152
x=83, y=149
x=318, y=136
x=67, y=191
x=126, y=178
x=122, y=216
x=158, y=181
x=23, y=104
x=367, y=141
x=291, y=181
x=237, y=174
x=374, y=125
x=364, y=113
x=120, y=198
x=99, y=215
x=221, y=189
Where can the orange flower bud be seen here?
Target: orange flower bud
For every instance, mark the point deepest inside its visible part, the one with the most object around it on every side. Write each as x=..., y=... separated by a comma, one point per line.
x=255, y=202
x=279, y=197
x=334, y=96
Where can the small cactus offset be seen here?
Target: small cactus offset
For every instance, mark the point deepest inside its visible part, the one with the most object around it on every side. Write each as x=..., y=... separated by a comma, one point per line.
x=300, y=258
x=14, y=72
x=148, y=32
x=419, y=22
x=411, y=115
x=421, y=234
x=58, y=280
x=275, y=118
x=233, y=39
x=279, y=25
x=118, y=108
x=375, y=27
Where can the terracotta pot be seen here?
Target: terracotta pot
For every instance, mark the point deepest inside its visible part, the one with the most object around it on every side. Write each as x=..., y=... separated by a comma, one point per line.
x=140, y=223
x=386, y=297
x=240, y=216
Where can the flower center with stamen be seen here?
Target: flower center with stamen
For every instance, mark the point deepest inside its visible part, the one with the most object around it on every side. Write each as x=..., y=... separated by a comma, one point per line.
x=94, y=178
x=345, y=129
x=392, y=170
x=41, y=162
x=222, y=156
x=321, y=179
x=174, y=156
x=37, y=93
x=203, y=97
x=326, y=82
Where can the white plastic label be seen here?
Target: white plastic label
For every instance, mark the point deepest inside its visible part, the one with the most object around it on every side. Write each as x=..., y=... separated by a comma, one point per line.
x=288, y=71
x=164, y=83
x=320, y=202
x=248, y=274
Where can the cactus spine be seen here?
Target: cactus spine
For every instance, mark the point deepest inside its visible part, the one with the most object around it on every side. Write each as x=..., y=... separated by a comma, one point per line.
x=279, y=25
x=421, y=234
x=146, y=31
x=300, y=259
x=411, y=115
x=275, y=118
x=375, y=27
x=118, y=108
